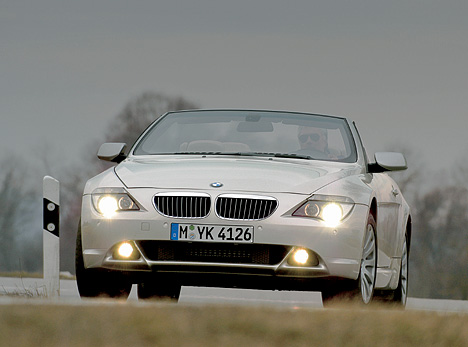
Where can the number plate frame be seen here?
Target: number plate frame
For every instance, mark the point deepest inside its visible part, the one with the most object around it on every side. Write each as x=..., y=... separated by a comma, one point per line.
x=212, y=233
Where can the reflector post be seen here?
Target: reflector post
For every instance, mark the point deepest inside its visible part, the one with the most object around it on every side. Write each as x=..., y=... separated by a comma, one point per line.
x=51, y=232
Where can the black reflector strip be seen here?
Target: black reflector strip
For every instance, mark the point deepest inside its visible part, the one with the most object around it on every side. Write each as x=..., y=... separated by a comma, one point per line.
x=51, y=217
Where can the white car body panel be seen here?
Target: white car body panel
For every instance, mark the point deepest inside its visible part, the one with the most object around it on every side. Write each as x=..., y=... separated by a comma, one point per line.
x=237, y=174
x=289, y=181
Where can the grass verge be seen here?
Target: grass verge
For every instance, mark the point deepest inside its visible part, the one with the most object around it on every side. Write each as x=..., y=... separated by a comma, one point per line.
x=21, y=274
x=128, y=324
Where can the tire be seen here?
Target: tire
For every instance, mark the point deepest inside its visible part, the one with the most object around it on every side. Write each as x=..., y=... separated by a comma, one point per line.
x=399, y=295
x=95, y=283
x=159, y=289
x=362, y=289
x=401, y=292
x=368, y=271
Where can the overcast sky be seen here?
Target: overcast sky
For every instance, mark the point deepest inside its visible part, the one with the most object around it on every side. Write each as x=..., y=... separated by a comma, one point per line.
x=398, y=68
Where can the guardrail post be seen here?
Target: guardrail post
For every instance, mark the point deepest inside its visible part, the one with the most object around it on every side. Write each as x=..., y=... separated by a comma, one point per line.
x=51, y=241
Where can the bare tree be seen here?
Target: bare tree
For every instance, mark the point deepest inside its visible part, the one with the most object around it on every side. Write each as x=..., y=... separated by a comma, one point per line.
x=15, y=203
x=139, y=112
x=460, y=172
x=439, y=250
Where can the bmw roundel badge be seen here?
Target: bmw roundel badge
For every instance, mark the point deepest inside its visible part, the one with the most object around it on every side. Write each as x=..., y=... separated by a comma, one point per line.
x=216, y=184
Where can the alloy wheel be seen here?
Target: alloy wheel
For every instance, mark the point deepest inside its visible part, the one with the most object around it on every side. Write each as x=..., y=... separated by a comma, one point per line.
x=368, y=266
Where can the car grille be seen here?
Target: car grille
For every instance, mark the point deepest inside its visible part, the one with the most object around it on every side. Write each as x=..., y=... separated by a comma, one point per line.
x=214, y=252
x=245, y=208
x=183, y=206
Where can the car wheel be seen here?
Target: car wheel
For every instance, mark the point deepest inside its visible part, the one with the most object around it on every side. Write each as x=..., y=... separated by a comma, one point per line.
x=400, y=294
x=93, y=283
x=159, y=288
x=368, y=271
x=362, y=289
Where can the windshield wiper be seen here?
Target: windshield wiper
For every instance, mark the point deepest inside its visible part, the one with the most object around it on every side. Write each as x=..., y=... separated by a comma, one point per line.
x=197, y=153
x=247, y=154
x=252, y=154
x=276, y=155
x=292, y=155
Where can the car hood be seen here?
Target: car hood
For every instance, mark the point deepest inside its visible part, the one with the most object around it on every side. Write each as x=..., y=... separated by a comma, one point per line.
x=235, y=174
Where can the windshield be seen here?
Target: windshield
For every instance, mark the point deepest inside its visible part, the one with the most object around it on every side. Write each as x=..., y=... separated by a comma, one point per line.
x=250, y=133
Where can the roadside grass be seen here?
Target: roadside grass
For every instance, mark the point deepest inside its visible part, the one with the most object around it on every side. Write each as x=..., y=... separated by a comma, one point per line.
x=110, y=323
x=21, y=274
x=21, y=290
x=25, y=292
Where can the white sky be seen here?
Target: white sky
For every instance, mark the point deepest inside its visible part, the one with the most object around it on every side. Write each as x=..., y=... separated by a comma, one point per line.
x=399, y=68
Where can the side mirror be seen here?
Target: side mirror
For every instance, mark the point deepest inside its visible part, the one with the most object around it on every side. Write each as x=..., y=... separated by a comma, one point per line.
x=112, y=152
x=388, y=161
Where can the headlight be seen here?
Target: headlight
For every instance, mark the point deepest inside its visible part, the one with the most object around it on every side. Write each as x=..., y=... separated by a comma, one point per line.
x=109, y=201
x=332, y=213
x=107, y=205
x=330, y=209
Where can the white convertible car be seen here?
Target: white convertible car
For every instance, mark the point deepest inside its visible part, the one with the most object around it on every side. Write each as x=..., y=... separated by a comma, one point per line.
x=246, y=199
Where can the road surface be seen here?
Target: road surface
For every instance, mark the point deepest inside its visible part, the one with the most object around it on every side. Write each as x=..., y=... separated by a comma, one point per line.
x=12, y=289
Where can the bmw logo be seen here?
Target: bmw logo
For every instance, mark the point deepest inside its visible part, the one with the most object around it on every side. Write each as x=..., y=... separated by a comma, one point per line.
x=216, y=184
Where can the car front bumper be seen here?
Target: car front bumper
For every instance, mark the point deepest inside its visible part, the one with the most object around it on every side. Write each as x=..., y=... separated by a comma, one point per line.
x=338, y=250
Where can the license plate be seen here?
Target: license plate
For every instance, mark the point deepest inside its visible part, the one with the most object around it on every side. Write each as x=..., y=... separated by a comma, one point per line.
x=212, y=233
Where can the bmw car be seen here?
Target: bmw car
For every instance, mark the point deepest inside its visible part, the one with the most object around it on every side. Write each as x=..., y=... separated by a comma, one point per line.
x=245, y=199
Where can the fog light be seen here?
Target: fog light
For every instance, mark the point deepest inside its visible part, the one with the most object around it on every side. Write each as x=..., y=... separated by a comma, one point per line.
x=125, y=250
x=301, y=256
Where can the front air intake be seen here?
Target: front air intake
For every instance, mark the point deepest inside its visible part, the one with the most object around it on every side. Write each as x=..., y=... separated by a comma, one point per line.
x=212, y=252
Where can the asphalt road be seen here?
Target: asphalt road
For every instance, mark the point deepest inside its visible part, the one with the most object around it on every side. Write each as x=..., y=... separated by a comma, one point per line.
x=16, y=289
